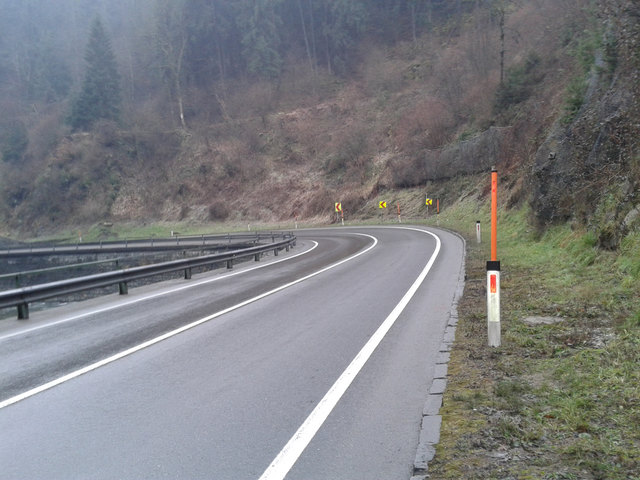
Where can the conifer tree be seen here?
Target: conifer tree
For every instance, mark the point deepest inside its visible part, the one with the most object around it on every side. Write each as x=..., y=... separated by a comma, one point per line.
x=100, y=95
x=261, y=41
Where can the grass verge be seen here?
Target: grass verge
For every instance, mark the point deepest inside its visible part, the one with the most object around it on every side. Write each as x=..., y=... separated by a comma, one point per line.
x=560, y=399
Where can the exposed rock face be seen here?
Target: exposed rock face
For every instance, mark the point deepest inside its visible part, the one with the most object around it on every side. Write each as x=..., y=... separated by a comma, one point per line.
x=589, y=170
x=470, y=156
x=592, y=152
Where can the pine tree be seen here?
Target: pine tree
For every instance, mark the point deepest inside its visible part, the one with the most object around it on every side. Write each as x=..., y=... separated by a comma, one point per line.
x=100, y=94
x=261, y=39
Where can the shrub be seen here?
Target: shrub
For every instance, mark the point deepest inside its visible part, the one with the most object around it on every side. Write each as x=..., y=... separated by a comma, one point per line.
x=320, y=203
x=408, y=172
x=46, y=134
x=518, y=84
x=348, y=147
x=427, y=124
x=218, y=211
x=629, y=260
x=13, y=141
x=574, y=99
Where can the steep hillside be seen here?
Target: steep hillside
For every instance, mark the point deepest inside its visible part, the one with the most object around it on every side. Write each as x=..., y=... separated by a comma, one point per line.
x=408, y=116
x=588, y=168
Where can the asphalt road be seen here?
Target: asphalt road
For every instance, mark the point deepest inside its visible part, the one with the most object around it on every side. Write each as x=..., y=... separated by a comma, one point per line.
x=311, y=365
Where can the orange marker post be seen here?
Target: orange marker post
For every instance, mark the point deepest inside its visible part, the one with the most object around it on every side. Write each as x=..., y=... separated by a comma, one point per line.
x=494, y=214
x=493, y=270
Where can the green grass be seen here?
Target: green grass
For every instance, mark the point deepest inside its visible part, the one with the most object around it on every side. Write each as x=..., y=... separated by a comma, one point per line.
x=568, y=393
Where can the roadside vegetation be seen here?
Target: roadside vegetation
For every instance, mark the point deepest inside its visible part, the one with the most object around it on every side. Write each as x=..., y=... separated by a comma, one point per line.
x=560, y=399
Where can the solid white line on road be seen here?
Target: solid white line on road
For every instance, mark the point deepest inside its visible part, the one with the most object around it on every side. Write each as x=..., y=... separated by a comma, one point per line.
x=152, y=296
x=153, y=341
x=288, y=456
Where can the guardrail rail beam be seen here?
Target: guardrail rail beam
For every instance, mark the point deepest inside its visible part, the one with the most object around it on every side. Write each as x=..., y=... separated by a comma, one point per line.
x=21, y=297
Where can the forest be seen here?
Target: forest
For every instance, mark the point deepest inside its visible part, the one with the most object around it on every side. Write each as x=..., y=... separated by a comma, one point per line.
x=166, y=48
x=266, y=110
x=149, y=67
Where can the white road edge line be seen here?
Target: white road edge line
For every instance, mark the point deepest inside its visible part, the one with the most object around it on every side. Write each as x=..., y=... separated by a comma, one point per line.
x=289, y=455
x=152, y=296
x=153, y=341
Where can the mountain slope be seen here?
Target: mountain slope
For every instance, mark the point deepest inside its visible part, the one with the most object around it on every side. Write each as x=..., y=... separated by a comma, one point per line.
x=413, y=115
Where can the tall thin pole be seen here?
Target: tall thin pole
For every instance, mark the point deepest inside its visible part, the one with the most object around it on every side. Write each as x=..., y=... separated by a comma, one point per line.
x=494, y=214
x=493, y=270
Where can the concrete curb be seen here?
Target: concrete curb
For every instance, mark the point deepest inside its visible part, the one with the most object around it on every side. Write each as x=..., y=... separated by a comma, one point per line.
x=431, y=421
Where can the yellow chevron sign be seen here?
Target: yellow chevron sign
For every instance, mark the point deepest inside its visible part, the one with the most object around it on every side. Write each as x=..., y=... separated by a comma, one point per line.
x=382, y=205
x=429, y=202
x=338, y=207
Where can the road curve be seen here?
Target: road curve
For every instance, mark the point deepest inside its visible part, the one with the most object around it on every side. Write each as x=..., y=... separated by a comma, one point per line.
x=213, y=377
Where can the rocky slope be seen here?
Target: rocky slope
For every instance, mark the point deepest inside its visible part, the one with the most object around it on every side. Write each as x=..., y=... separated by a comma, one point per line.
x=588, y=168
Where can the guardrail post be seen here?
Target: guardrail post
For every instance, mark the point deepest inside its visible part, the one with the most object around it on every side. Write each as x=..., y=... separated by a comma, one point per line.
x=21, y=298
x=23, y=311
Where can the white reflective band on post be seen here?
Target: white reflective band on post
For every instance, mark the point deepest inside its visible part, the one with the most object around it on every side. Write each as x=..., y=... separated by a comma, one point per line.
x=493, y=303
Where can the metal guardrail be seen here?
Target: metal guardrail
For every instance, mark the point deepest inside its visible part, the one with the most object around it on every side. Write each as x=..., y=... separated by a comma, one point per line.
x=21, y=297
x=138, y=244
x=17, y=276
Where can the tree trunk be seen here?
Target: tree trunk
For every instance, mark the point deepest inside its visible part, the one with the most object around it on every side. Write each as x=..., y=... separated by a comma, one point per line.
x=306, y=38
x=177, y=82
x=313, y=33
x=221, y=66
x=502, y=48
x=413, y=23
